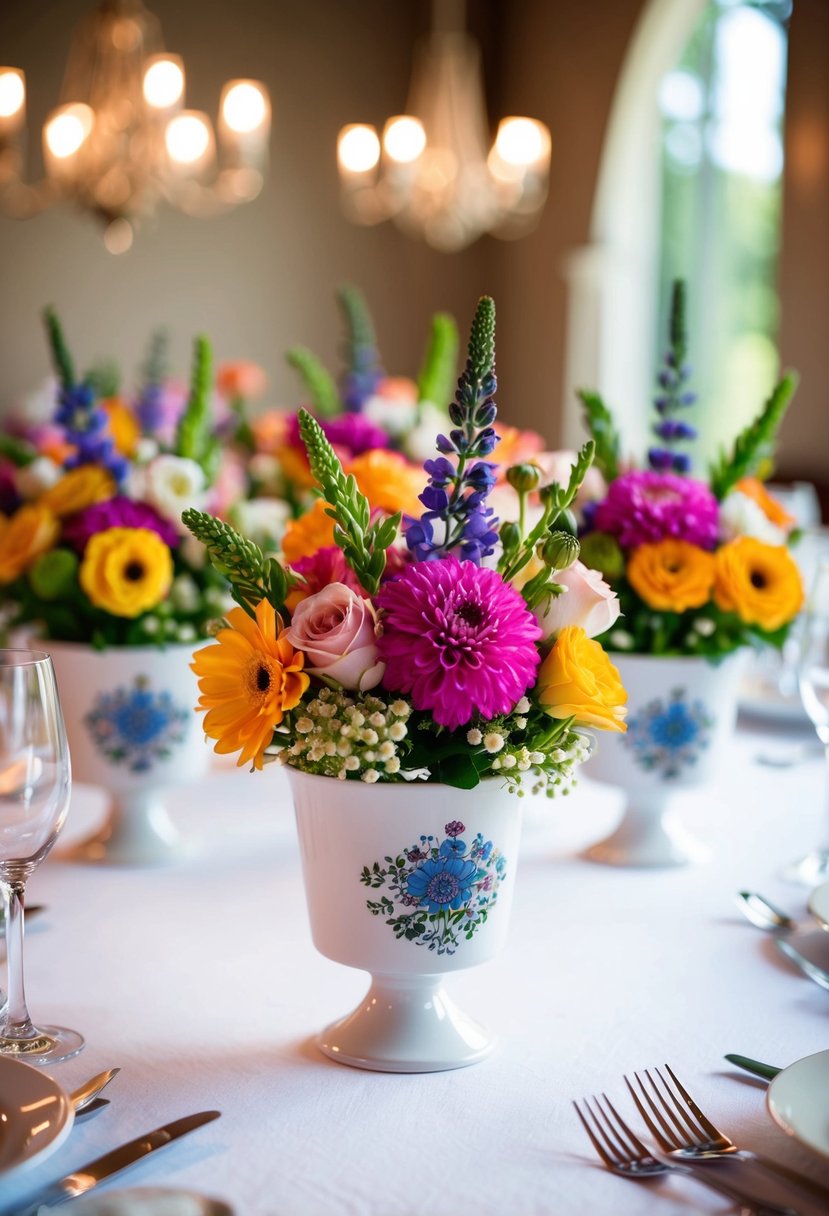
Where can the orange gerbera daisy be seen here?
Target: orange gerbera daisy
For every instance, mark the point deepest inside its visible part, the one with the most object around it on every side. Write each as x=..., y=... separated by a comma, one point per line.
x=312, y=531
x=247, y=682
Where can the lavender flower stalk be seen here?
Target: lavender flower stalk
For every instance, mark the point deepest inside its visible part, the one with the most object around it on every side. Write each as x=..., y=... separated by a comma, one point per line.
x=364, y=369
x=459, y=480
x=674, y=395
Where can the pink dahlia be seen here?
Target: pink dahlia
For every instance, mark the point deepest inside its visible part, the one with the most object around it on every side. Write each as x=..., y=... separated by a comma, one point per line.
x=641, y=507
x=458, y=639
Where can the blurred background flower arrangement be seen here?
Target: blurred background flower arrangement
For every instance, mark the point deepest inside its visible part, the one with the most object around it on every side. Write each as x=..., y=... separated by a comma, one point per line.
x=421, y=646
x=701, y=566
x=92, y=486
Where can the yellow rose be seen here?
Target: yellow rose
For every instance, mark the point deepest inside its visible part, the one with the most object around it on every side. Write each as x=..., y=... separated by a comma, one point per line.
x=78, y=489
x=32, y=530
x=760, y=582
x=313, y=530
x=672, y=575
x=126, y=571
x=388, y=481
x=577, y=680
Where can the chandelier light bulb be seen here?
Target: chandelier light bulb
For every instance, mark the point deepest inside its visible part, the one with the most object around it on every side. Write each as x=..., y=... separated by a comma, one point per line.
x=164, y=82
x=244, y=106
x=188, y=137
x=358, y=148
x=67, y=129
x=522, y=142
x=12, y=92
x=404, y=139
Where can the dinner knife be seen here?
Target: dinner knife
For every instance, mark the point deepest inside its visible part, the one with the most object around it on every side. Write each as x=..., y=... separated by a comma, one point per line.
x=82, y=1180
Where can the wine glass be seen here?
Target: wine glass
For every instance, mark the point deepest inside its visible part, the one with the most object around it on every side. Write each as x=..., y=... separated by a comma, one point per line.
x=813, y=681
x=35, y=783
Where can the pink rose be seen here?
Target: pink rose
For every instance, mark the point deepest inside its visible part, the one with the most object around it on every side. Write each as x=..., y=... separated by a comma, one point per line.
x=335, y=630
x=556, y=466
x=587, y=601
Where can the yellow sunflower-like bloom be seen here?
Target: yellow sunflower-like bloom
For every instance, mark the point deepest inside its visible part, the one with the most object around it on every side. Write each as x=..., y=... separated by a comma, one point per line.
x=672, y=575
x=760, y=582
x=78, y=489
x=388, y=481
x=313, y=530
x=32, y=530
x=577, y=680
x=247, y=680
x=126, y=571
x=124, y=427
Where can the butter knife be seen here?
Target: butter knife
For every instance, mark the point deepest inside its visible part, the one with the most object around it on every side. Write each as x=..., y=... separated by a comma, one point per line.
x=88, y=1176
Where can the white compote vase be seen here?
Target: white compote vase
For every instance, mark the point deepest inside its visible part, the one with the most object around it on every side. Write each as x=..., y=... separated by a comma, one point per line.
x=681, y=716
x=410, y=882
x=132, y=731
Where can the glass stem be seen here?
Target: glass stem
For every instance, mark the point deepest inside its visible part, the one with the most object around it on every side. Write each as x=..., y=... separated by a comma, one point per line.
x=18, y=1023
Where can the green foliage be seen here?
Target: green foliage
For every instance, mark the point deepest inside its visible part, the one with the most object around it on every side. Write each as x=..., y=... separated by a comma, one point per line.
x=154, y=367
x=61, y=359
x=318, y=383
x=678, y=329
x=104, y=378
x=363, y=543
x=755, y=443
x=599, y=422
x=359, y=325
x=194, y=436
x=251, y=575
x=436, y=381
x=18, y=451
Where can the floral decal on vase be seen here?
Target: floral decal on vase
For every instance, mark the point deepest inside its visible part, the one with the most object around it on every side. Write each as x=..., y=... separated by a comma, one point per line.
x=447, y=886
x=137, y=727
x=667, y=737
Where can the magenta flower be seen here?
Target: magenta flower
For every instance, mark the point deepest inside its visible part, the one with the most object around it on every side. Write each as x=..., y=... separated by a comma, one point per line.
x=350, y=434
x=326, y=566
x=458, y=639
x=643, y=507
x=117, y=513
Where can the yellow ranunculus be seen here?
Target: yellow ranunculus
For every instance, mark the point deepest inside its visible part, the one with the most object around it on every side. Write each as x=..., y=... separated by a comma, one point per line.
x=123, y=425
x=672, y=575
x=760, y=582
x=388, y=481
x=32, y=530
x=78, y=489
x=313, y=530
x=126, y=571
x=577, y=680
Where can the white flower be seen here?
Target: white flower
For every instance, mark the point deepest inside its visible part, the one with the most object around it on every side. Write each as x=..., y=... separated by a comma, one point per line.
x=474, y=737
x=704, y=627
x=521, y=723
x=186, y=633
x=377, y=719
x=493, y=742
x=386, y=750
x=509, y=762
x=393, y=765
x=397, y=731
x=173, y=483
x=352, y=764
x=741, y=515
x=261, y=520
x=184, y=594
x=622, y=639
x=146, y=449
x=304, y=725
x=371, y=775
x=400, y=709
x=523, y=706
x=37, y=477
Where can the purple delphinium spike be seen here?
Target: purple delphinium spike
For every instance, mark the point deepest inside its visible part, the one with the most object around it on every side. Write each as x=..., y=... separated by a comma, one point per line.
x=85, y=426
x=455, y=497
x=673, y=396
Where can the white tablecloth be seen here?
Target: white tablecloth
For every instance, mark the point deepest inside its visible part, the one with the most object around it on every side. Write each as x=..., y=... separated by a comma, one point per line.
x=201, y=982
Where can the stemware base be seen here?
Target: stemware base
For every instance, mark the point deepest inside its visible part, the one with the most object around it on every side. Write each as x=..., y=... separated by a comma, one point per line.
x=808, y=871
x=50, y=1045
x=406, y=1024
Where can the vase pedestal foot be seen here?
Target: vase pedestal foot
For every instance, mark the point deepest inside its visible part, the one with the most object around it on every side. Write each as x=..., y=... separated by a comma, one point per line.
x=138, y=832
x=406, y=1024
x=650, y=837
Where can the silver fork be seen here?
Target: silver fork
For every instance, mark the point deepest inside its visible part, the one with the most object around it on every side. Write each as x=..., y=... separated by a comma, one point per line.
x=624, y=1154
x=681, y=1129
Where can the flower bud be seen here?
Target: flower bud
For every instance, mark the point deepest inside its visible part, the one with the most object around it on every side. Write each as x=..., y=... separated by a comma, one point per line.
x=53, y=574
x=524, y=477
x=558, y=550
x=510, y=535
x=601, y=552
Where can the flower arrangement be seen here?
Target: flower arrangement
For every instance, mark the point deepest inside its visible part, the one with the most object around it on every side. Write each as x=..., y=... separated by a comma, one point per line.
x=92, y=548
x=700, y=566
x=422, y=647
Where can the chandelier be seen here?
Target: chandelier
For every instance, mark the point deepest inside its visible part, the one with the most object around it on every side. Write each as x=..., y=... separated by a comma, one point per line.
x=434, y=173
x=121, y=140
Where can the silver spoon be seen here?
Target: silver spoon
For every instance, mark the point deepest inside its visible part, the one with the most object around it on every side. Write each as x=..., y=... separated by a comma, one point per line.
x=83, y=1097
x=763, y=914
x=814, y=972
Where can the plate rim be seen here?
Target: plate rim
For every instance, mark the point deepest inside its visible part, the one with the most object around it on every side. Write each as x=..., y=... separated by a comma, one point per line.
x=777, y=1116
x=822, y=918
x=51, y=1146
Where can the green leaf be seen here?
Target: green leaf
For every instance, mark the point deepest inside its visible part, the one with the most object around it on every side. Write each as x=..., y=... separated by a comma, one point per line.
x=459, y=771
x=599, y=422
x=755, y=443
x=61, y=359
x=18, y=451
x=436, y=381
x=251, y=575
x=194, y=437
x=319, y=385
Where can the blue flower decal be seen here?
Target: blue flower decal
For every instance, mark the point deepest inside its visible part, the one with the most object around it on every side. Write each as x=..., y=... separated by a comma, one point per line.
x=668, y=737
x=137, y=727
x=447, y=888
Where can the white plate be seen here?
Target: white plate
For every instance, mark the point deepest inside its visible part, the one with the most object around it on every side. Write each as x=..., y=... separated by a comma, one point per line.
x=798, y=1101
x=36, y=1115
x=760, y=698
x=150, y=1201
x=819, y=905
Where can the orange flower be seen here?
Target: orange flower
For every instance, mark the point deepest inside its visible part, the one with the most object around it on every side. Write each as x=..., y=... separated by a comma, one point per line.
x=78, y=489
x=32, y=530
x=241, y=379
x=123, y=425
x=760, y=582
x=248, y=678
x=295, y=466
x=313, y=530
x=577, y=680
x=388, y=481
x=672, y=575
x=774, y=512
x=516, y=447
x=270, y=430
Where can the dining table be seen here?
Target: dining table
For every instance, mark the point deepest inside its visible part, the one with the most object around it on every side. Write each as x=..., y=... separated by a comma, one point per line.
x=199, y=980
